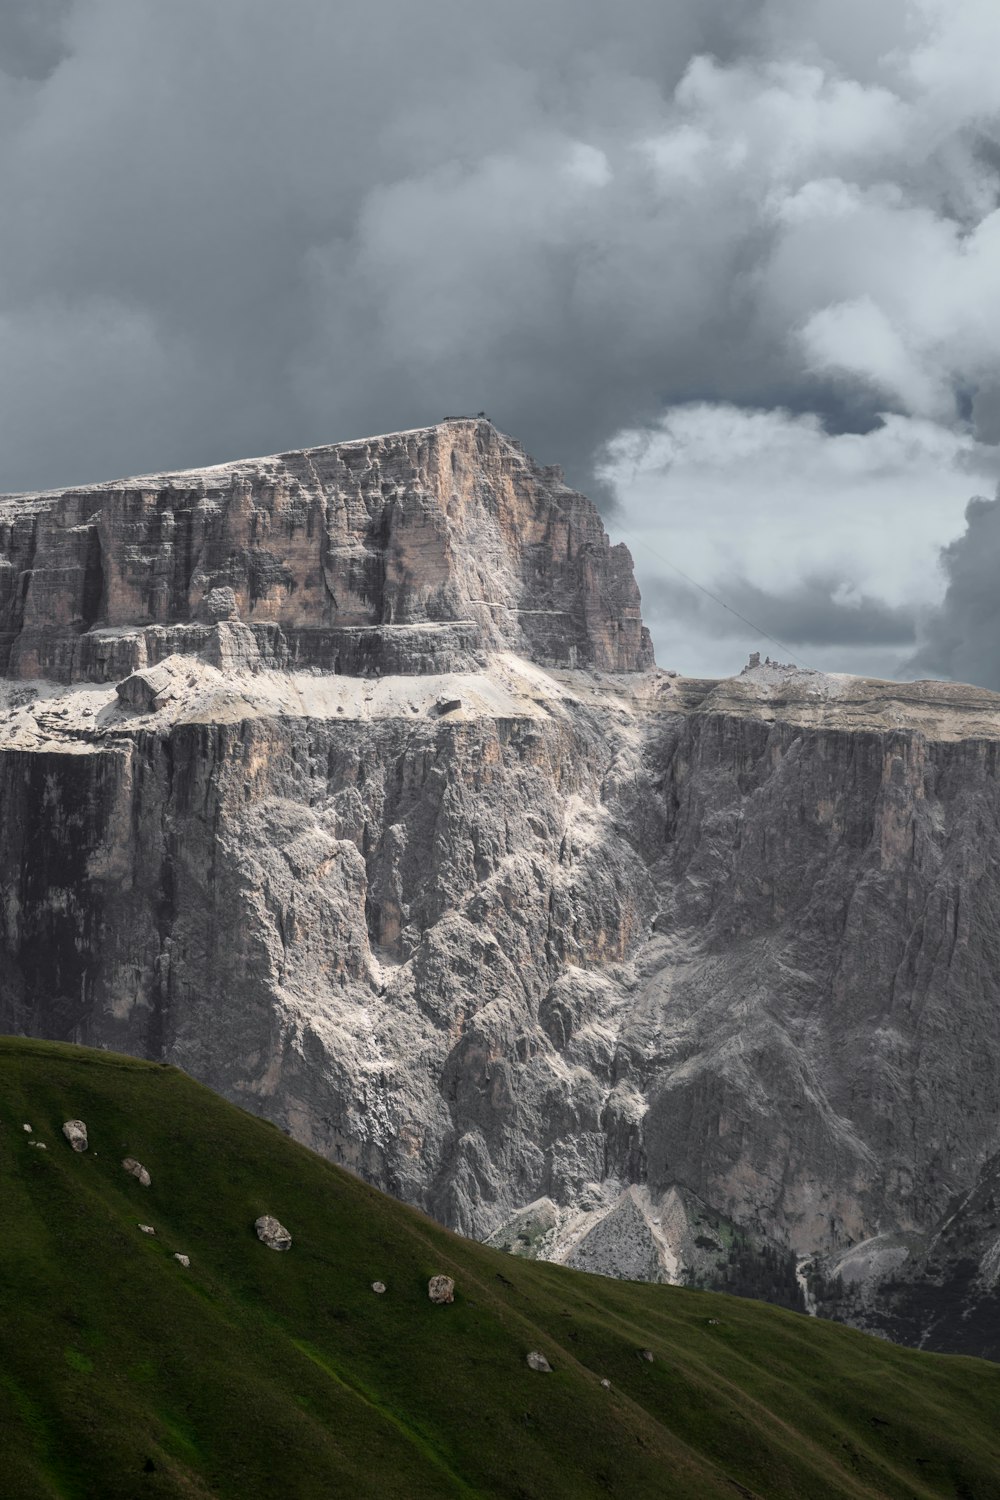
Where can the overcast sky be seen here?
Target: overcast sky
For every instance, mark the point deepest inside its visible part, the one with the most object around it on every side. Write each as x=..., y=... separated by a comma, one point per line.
x=734, y=263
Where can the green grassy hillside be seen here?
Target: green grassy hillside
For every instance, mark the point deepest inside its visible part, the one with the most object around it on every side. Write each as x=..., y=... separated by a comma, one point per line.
x=253, y=1373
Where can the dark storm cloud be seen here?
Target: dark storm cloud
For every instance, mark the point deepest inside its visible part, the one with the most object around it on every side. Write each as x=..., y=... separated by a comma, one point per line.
x=961, y=639
x=30, y=41
x=817, y=611
x=241, y=226
x=235, y=227
x=220, y=220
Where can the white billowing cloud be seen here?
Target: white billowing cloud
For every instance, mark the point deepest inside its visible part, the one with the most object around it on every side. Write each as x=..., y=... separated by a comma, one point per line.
x=794, y=528
x=858, y=340
x=951, y=59
x=792, y=120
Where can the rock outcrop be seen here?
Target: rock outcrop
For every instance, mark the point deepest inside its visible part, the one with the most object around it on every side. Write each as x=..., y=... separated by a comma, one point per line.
x=344, y=781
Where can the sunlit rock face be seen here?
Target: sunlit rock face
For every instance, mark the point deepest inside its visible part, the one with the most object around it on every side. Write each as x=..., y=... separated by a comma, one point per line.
x=345, y=781
x=418, y=551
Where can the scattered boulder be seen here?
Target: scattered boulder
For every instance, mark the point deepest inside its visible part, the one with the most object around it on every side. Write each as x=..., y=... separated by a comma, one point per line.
x=441, y=1289
x=713, y=1322
x=148, y=689
x=606, y=1384
x=147, y=1229
x=75, y=1132
x=184, y=1260
x=646, y=1354
x=38, y=1145
x=537, y=1361
x=378, y=1286
x=446, y=706
x=28, y=1128
x=272, y=1233
x=137, y=1170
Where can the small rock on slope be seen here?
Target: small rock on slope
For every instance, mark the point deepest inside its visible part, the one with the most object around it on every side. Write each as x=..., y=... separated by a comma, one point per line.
x=75, y=1132
x=537, y=1361
x=441, y=1289
x=137, y=1170
x=272, y=1233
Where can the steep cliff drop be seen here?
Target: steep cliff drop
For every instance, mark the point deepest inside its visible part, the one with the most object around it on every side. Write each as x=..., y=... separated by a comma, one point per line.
x=345, y=780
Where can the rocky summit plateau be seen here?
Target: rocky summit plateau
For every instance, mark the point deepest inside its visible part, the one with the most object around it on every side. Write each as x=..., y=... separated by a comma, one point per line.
x=345, y=780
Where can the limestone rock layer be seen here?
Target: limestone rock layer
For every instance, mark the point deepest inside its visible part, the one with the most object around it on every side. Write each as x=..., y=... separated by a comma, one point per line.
x=413, y=552
x=392, y=832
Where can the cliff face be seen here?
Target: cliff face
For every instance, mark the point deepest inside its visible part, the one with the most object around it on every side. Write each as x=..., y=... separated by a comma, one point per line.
x=418, y=551
x=622, y=969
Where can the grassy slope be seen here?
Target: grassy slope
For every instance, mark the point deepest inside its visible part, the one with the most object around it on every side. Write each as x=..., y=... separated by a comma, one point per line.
x=253, y=1373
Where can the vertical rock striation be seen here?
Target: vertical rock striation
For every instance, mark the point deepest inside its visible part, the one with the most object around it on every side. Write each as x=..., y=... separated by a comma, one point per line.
x=404, y=553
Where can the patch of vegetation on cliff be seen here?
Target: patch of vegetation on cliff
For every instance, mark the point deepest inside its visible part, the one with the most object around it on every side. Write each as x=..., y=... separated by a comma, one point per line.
x=124, y=1374
x=762, y=1272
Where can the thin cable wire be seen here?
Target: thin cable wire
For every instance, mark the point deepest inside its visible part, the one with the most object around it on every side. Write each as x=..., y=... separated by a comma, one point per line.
x=784, y=646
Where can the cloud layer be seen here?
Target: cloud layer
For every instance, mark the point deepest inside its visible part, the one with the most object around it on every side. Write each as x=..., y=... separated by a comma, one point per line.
x=827, y=542
x=236, y=228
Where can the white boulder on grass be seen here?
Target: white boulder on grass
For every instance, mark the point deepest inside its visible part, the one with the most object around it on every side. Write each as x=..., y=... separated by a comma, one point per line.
x=272, y=1233
x=75, y=1132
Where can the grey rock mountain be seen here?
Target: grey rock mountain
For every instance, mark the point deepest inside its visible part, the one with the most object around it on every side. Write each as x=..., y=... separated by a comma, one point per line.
x=345, y=780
